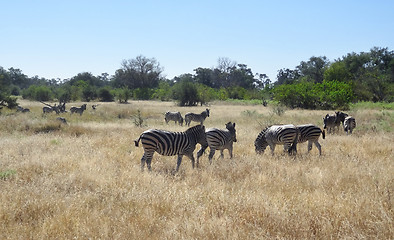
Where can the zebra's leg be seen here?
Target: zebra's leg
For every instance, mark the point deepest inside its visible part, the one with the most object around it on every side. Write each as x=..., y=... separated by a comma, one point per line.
x=310, y=145
x=179, y=161
x=317, y=144
x=221, y=154
x=272, y=146
x=230, y=151
x=211, y=154
x=147, y=157
x=200, y=152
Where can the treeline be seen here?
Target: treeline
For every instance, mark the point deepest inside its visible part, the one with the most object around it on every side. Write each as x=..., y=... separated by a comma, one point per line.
x=313, y=84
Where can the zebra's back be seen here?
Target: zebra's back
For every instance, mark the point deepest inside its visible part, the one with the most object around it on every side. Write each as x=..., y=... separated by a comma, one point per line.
x=309, y=132
x=349, y=124
x=218, y=138
x=277, y=134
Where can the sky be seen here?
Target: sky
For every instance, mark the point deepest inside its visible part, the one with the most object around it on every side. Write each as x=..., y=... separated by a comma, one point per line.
x=59, y=39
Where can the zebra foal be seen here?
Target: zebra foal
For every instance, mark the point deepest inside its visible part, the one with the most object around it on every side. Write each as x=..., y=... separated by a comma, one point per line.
x=173, y=116
x=78, y=109
x=286, y=135
x=219, y=139
x=349, y=124
x=310, y=133
x=196, y=117
x=170, y=143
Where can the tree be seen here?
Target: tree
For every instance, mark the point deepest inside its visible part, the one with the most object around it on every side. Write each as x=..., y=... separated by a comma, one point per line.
x=287, y=76
x=314, y=68
x=140, y=72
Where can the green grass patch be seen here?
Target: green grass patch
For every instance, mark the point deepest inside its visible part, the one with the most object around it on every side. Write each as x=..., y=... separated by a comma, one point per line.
x=4, y=175
x=372, y=105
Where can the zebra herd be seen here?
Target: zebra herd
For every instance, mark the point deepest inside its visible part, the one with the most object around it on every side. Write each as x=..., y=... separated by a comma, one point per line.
x=332, y=121
x=184, y=143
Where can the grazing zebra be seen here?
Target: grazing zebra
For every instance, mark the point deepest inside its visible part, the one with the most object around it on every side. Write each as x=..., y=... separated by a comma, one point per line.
x=286, y=135
x=22, y=109
x=349, y=124
x=173, y=116
x=47, y=110
x=170, y=143
x=78, y=109
x=196, y=117
x=310, y=133
x=219, y=139
x=330, y=122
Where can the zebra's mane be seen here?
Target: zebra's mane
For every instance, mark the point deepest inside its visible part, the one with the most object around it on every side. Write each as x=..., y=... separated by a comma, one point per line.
x=195, y=128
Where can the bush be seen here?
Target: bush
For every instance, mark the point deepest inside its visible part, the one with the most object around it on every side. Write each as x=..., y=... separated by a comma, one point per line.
x=105, y=95
x=186, y=93
x=308, y=95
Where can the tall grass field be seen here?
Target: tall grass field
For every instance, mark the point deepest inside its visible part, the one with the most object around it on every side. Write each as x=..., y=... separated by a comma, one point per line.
x=83, y=180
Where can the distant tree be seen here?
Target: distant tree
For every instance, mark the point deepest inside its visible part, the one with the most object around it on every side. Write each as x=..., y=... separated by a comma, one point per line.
x=313, y=69
x=140, y=72
x=287, y=76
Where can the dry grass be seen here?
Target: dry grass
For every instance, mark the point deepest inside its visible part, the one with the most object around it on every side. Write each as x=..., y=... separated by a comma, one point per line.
x=83, y=180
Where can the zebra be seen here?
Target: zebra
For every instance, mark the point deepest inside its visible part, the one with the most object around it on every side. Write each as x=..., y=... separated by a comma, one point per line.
x=310, y=133
x=218, y=139
x=286, y=135
x=330, y=122
x=173, y=116
x=340, y=116
x=62, y=120
x=94, y=106
x=196, y=117
x=22, y=109
x=170, y=143
x=349, y=124
x=47, y=110
x=78, y=109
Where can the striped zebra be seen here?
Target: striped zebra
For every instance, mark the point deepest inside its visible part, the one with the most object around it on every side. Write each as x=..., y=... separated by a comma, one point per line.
x=170, y=143
x=173, y=116
x=219, y=139
x=310, y=133
x=340, y=116
x=330, y=122
x=196, y=117
x=286, y=135
x=349, y=124
x=78, y=109
x=47, y=110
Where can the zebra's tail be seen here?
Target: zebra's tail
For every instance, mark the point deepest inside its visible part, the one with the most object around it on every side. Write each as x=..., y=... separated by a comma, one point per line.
x=323, y=134
x=137, y=141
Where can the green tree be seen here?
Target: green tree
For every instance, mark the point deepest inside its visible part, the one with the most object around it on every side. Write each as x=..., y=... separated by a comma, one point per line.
x=140, y=72
x=186, y=93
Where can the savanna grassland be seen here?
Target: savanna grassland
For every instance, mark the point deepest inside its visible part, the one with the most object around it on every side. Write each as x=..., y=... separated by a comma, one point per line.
x=83, y=180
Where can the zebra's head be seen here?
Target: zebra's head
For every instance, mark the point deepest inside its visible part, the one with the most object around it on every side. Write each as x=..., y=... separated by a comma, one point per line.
x=231, y=127
x=260, y=143
x=207, y=111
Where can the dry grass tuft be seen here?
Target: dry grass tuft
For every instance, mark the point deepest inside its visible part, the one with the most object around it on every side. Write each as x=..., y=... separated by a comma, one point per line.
x=83, y=179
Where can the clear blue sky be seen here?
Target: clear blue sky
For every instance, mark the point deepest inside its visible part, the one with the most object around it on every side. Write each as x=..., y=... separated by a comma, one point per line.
x=59, y=39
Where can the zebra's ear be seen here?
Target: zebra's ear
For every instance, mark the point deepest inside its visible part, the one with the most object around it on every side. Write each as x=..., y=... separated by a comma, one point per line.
x=234, y=125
